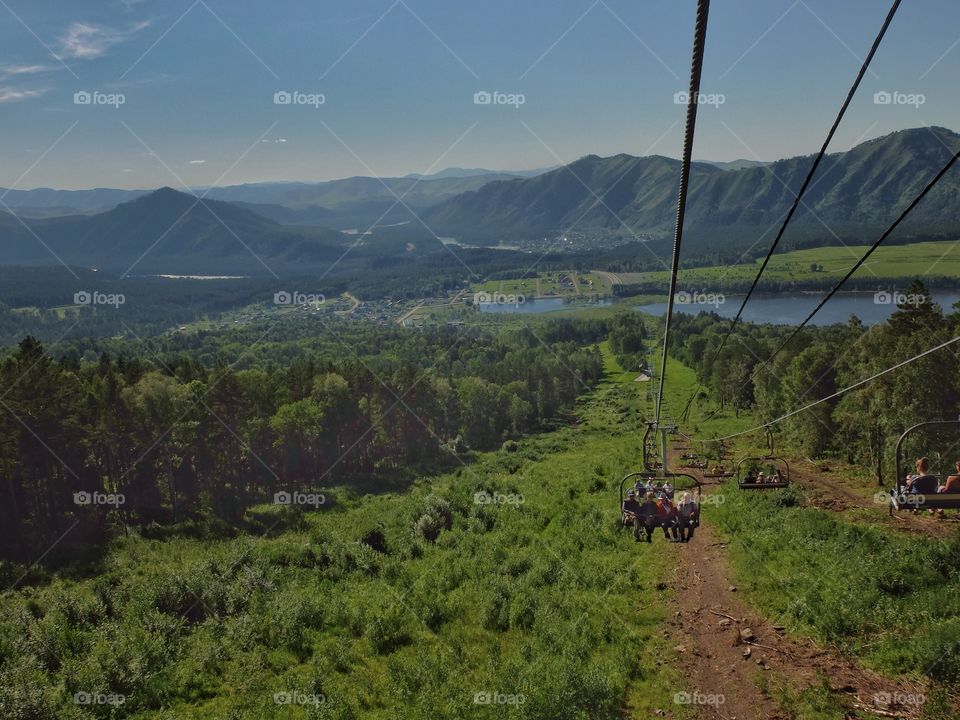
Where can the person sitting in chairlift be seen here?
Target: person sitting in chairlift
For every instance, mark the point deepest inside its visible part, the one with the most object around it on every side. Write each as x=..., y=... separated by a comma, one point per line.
x=922, y=482
x=667, y=518
x=951, y=484
x=668, y=489
x=687, y=511
x=648, y=515
x=631, y=513
x=761, y=478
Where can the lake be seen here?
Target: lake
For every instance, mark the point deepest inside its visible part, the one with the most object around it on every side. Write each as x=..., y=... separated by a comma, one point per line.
x=538, y=305
x=792, y=308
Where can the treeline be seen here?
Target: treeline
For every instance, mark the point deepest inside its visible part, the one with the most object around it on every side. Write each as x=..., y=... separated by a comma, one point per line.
x=859, y=427
x=178, y=438
x=815, y=281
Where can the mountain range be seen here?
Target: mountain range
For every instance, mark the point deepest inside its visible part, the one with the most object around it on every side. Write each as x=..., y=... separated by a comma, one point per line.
x=854, y=193
x=243, y=229
x=342, y=204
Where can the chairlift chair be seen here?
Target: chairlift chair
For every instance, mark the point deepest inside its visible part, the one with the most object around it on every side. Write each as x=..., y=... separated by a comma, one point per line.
x=927, y=496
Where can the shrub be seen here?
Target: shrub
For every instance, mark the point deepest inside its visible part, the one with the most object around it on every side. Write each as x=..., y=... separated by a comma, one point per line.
x=389, y=629
x=435, y=515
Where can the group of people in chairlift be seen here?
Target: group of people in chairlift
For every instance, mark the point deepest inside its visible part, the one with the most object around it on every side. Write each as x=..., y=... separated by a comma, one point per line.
x=923, y=483
x=650, y=506
x=760, y=479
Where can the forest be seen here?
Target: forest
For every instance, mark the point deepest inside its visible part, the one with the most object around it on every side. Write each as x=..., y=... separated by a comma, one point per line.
x=150, y=436
x=858, y=427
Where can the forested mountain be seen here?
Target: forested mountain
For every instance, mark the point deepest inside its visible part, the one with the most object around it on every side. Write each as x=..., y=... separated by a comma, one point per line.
x=854, y=193
x=165, y=231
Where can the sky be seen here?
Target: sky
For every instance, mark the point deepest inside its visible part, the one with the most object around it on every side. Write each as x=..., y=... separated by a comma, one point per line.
x=147, y=93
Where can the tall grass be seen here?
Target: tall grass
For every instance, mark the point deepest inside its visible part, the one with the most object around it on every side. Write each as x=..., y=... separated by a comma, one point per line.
x=892, y=599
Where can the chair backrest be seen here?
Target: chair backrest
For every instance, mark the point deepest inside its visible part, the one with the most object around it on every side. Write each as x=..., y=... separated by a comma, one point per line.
x=926, y=484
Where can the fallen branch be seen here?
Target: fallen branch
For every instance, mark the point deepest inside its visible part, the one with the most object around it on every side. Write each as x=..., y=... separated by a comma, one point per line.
x=768, y=647
x=876, y=711
x=729, y=617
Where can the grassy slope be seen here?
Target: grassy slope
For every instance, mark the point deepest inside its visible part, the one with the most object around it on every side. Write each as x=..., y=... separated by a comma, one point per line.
x=547, y=599
x=895, y=261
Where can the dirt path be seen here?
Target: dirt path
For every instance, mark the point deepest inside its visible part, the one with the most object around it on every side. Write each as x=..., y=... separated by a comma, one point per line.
x=712, y=627
x=612, y=278
x=831, y=494
x=726, y=647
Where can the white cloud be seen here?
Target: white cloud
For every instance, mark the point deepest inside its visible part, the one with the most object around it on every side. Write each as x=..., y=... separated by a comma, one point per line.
x=10, y=70
x=11, y=95
x=86, y=41
x=197, y=162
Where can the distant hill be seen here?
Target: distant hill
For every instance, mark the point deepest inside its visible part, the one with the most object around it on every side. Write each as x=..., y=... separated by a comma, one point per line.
x=167, y=231
x=456, y=172
x=735, y=164
x=79, y=200
x=855, y=193
x=356, y=202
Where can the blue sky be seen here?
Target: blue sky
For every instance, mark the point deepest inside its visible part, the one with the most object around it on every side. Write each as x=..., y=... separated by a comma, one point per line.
x=197, y=79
